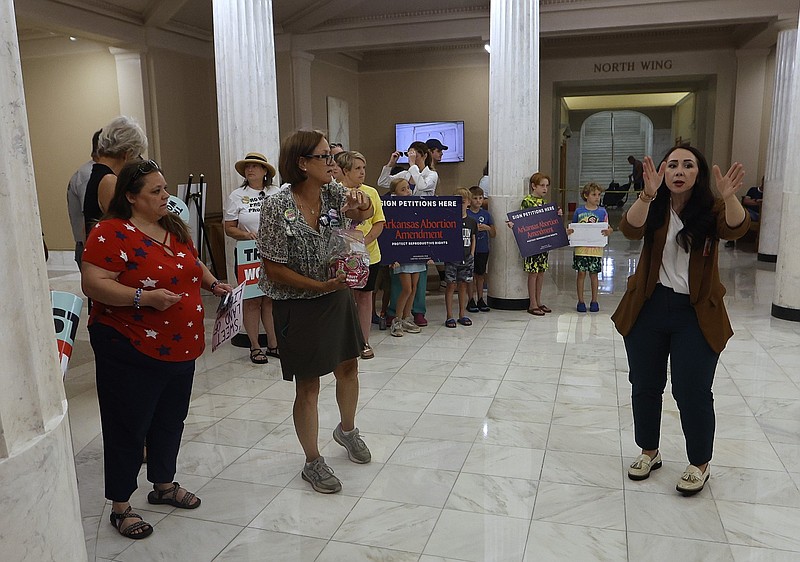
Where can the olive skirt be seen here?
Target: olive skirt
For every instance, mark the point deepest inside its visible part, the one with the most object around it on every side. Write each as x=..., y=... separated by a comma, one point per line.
x=316, y=335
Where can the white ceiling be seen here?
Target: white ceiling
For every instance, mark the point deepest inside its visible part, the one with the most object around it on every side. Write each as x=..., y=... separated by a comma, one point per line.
x=360, y=27
x=371, y=34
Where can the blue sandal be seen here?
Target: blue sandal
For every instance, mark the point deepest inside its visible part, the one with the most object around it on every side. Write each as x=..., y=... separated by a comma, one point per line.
x=465, y=321
x=450, y=323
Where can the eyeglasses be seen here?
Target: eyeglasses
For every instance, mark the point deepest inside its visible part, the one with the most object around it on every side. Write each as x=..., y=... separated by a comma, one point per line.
x=336, y=145
x=328, y=158
x=145, y=167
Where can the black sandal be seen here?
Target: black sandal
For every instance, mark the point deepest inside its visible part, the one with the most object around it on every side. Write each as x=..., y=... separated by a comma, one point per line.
x=257, y=356
x=144, y=529
x=170, y=497
x=273, y=352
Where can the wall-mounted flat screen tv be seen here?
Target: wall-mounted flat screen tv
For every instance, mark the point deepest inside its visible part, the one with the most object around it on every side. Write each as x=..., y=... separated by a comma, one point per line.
x=449, y=133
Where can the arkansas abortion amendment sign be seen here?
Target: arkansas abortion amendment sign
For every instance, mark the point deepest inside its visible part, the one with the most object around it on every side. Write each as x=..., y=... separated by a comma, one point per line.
x=538, y=229
x=419, y=229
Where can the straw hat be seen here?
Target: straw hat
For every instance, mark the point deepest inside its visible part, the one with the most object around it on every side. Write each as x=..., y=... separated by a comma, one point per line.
x=254, y=158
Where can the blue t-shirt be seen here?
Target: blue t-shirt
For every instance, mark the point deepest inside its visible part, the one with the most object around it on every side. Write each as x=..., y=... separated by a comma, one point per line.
x=582, y=214
x=482, y=239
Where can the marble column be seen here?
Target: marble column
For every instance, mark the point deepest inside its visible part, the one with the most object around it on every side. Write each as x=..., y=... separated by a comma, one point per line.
x=131, y=86
x=772, y=205
x=301, y=89
x=513, y=137
x=786, y=301
x=40, y=517
x=247, y=97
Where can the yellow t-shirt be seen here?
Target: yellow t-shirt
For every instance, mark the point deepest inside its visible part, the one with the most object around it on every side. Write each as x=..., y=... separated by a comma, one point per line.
x=373, y=248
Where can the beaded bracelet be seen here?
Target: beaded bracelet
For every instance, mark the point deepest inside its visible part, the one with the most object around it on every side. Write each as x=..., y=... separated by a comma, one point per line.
x=137, y=297
x=213, y=286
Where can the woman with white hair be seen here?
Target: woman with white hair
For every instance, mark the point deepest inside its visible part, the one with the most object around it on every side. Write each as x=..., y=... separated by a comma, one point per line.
x=120, y=141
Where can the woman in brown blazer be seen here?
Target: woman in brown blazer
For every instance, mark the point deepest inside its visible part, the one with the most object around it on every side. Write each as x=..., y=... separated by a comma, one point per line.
x=673, y=308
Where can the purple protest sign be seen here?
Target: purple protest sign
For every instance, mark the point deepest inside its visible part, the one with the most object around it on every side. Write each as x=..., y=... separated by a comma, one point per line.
x=419, y=229
x=538, y=229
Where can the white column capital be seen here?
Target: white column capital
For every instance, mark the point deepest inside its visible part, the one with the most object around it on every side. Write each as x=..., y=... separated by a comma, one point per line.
x=126, y=53
x=786, y=22
x=756, y=52
x=302, y=55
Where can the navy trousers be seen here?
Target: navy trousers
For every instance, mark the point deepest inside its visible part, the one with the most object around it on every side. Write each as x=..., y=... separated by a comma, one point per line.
x=667, y=329
x=140, y=397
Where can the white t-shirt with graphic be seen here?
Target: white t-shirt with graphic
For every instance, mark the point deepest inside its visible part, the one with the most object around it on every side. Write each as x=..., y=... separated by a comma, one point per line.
x=244, y=205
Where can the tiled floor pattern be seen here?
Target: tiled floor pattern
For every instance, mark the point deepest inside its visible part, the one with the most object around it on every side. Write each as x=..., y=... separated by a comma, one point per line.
x=503, y=441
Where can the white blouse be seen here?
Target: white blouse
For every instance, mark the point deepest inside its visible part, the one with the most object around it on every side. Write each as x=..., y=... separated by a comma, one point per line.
x=674, y=272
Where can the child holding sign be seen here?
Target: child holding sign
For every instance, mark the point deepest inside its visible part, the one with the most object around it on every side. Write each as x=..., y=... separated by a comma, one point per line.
x=536, y=265
x=587, y=259
x=407, y=274
x=461, y=274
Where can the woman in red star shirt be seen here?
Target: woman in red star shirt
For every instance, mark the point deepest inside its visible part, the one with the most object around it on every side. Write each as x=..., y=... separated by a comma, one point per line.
x=146, y=329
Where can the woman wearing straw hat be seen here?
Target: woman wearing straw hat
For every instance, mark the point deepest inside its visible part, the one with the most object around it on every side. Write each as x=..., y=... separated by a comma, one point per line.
x=241, y=223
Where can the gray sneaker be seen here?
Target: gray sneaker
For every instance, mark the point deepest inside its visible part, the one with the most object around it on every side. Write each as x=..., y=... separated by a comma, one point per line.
x=397, y=328
x=409, y=326
x=357, y=450
x=321, y=477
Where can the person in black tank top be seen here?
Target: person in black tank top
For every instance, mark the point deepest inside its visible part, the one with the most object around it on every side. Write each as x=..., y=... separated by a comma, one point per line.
x=120, y=141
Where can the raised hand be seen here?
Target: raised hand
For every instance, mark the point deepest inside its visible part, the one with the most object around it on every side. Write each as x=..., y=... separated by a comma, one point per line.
x=730, y=183
x=652, y=177
x=356, y=199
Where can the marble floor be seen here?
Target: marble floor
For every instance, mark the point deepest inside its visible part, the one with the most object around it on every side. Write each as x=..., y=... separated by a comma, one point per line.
x=504, y=441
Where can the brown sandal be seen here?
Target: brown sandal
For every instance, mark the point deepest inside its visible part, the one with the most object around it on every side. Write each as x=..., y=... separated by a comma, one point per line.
x=170, y=497
x=536, y=311
x=543, y=308
x=138, y=530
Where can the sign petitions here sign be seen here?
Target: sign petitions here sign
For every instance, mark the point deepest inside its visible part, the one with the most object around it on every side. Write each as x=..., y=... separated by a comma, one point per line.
x=248, y=268
x=538, y=230
x=66, y=316
x=419, y=229
x=229, y=319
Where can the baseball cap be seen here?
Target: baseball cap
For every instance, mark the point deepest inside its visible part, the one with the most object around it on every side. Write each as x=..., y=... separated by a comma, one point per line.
x=435, y=143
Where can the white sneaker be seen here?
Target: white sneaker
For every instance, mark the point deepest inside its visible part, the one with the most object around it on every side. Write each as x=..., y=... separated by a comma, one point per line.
x=409, y=326
x=641, y=467
x=693, y=479
x=397, y=328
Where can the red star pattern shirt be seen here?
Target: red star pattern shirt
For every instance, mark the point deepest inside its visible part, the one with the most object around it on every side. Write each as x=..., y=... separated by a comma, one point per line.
x=174, y=334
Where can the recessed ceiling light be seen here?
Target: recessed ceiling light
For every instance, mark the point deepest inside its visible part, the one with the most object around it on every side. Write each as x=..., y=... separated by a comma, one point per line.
x=487, y=47
x=72, y=38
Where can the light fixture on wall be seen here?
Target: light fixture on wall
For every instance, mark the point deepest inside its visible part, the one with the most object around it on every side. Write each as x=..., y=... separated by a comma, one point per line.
x=487, y=47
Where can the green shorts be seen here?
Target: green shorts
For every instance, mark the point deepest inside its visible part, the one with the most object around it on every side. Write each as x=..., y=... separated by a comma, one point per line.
x=592, y=264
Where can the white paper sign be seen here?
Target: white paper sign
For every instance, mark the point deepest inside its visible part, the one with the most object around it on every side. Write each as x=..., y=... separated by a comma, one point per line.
x=588, y=234
x=229, y=320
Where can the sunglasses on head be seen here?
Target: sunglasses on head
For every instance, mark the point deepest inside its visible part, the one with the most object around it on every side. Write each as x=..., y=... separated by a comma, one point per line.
x=145, y=167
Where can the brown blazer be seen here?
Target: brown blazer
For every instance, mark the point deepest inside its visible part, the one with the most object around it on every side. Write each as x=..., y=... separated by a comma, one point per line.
x=705, y=289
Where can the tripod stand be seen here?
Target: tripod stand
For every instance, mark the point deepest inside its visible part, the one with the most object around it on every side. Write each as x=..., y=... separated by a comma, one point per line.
x=197, y=198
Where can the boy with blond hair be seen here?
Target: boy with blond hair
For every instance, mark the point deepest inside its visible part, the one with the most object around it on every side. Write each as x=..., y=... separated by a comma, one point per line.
x=589, y=259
